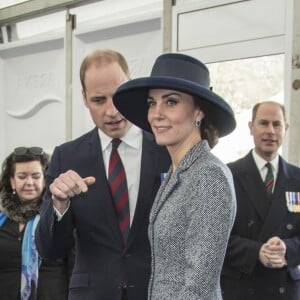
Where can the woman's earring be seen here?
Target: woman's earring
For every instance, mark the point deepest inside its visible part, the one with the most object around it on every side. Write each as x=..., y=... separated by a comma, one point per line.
x=198, y=123
x=14, y=191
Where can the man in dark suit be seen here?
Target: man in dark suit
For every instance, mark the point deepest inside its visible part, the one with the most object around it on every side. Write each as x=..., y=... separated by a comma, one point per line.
x=78, y=196
x=264, y=248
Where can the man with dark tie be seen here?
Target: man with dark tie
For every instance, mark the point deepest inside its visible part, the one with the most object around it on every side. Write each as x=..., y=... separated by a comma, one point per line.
x=263, y=254
x=101, y=187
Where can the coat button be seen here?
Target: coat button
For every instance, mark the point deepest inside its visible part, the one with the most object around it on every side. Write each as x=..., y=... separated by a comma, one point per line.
x=251, y=291
x=250, y=223
x=281, y=290
x=289, y=226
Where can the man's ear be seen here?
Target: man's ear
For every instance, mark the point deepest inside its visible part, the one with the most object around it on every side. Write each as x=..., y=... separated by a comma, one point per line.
x=250, y=125
x=84, y=97
x=287, y=126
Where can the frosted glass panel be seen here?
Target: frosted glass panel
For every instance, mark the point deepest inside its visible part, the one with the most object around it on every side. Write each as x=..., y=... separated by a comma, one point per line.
x=243, y=83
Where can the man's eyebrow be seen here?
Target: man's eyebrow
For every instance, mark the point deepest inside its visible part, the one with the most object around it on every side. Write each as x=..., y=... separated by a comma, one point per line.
x=98, y=97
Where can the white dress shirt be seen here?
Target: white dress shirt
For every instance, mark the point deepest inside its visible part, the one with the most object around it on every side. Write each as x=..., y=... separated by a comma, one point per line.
x=130, y=151
x=261, y=166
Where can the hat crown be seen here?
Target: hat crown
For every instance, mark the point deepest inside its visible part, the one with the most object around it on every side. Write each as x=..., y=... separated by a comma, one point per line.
x=177, y=65
x=179, y=72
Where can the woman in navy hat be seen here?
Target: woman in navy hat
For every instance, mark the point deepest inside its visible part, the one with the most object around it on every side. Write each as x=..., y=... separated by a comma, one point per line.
x=194, y=209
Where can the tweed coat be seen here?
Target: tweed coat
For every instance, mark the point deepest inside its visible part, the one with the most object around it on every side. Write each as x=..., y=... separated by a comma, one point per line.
x=189, y=227
x=257, y=220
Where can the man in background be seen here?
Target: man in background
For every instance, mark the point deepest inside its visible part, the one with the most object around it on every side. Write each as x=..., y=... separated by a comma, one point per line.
x=264, y=248
x=112, y=249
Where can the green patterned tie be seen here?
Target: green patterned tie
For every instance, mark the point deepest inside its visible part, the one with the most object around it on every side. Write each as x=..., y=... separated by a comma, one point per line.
x=269, y=180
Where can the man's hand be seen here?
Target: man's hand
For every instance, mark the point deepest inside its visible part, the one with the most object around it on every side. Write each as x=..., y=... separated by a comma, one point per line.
x=272, y=253
x=67, y=185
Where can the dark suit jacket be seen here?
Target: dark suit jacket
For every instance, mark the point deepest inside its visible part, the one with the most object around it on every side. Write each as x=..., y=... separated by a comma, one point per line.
x=102, y=263
x=257, y=220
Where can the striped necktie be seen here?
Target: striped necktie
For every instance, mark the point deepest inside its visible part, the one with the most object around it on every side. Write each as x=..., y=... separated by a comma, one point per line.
x=118, y=187
x=269, y=180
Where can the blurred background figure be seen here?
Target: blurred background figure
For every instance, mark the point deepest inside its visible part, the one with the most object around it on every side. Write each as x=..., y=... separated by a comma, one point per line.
x=263, y=257
x=22, y=274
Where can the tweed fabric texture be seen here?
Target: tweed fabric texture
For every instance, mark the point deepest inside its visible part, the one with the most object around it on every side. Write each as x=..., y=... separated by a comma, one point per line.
x=190, y=223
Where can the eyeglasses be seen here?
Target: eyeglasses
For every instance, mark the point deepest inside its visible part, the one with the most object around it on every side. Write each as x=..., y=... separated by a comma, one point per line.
x=32, y=150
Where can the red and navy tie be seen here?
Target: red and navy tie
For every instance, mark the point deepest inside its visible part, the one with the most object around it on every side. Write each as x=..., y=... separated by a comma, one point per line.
x=118, y=188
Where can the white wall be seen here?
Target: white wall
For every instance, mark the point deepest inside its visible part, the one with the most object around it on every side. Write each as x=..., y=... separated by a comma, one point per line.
x=32, y=97
x=229, y=29
x=2, y=129
x=33, y=94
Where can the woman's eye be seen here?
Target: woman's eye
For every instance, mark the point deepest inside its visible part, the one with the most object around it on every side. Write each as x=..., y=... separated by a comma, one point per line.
x=171, y=102
x=150, y=102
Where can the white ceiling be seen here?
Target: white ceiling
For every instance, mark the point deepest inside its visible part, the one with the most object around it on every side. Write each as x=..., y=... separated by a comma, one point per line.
x=5, y=3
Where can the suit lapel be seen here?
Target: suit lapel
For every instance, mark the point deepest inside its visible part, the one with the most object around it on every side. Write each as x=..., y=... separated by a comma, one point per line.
x=163, y=194
x=251, y=181
x=148, y=179
x=172, y=180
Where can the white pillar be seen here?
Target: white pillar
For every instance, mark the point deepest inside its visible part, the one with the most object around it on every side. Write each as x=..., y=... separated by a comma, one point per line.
x=291, y=149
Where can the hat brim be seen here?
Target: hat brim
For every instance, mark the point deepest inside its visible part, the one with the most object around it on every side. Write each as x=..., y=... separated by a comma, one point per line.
x=131, y=101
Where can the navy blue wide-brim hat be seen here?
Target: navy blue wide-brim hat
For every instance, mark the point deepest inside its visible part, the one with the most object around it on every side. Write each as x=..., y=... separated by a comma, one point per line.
x=178, y=72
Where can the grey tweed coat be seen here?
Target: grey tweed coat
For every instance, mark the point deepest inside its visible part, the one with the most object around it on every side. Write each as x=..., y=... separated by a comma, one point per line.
x=190, y=223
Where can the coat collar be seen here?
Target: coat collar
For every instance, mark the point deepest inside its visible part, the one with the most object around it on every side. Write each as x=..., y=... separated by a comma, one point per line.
x=148, y=179
x=199, y=151
x=250, y=179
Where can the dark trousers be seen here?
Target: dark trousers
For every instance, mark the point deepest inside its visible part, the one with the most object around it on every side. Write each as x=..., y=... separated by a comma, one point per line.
x=124, y=294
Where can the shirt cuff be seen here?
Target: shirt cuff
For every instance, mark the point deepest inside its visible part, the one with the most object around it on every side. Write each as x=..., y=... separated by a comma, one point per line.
x=60, y=215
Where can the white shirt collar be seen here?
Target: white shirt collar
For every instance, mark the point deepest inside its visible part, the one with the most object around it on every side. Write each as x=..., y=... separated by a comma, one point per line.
x=260, y=162
x=132, y=138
